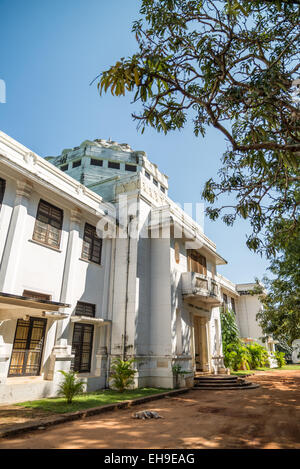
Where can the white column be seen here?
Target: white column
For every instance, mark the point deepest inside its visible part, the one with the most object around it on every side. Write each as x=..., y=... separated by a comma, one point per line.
x=61, y=355
x=15, y=238
x=204, y=344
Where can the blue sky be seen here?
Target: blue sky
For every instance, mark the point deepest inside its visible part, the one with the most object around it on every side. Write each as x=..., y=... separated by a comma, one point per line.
x=50, y=51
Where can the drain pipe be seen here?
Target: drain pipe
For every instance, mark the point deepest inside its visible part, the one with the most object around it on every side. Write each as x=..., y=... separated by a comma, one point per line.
x=127, y=284
x=111, y=300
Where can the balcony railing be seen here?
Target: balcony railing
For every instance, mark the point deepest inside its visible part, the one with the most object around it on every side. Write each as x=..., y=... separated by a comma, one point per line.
x=199, y=287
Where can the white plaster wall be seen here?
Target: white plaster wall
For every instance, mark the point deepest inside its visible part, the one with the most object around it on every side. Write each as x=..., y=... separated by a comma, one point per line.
x=247, y=308
x=41, y=269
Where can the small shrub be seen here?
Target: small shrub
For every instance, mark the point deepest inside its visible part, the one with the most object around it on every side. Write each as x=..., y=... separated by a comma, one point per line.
x=280, y=358
x=237, y=356
x=122, y=374
x=71, y=386
x=259, y=356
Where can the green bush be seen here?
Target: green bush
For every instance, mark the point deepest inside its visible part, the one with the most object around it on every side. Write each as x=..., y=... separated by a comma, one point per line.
x=259, y=356
x=230, y=331
x=280, y=358
x=237, y=356
x=122, y=374
x=71, y=386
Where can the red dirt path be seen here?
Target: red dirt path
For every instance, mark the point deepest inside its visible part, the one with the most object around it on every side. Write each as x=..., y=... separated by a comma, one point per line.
x=266, y=417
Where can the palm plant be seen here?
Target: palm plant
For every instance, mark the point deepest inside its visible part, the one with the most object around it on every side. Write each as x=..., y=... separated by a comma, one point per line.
x=122, y=374
x=71, y=386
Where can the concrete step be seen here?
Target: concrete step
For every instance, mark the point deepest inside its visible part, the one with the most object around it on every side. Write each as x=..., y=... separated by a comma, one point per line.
x=216, y=379
x=222, y=382
x=226, y=388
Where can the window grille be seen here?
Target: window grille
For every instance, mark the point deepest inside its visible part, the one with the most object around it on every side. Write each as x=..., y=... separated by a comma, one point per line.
x=82, y=345
x=92, y=245
x=85, y=309
x=28, y=347
x=48, y=224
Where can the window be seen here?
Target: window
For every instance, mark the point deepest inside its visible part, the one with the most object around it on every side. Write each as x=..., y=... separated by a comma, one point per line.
x=28, y=347
x=112, y=164
x=85, y=309
x=130, y=167
x=48, y=224
x=155, y=182
x=147, y=175
x=2, y=190
x=225, y=299
x=163, y=189
x=75, y=164
x=177, y=252
x=233, y=304
x=36, y=295
x=82, y=344
x=95, y=162
x=197, y=262
x=65, y=167
x=92, y=245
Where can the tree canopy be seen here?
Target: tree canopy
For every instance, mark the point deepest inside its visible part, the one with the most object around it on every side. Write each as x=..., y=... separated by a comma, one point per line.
x=230, y=64
x=280, y=316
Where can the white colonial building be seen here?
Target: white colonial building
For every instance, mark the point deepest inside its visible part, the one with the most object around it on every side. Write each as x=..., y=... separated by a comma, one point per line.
x=98, y=262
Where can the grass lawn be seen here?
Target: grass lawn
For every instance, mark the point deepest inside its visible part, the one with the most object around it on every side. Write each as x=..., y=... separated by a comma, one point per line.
x=251, y=372
x=58, y=405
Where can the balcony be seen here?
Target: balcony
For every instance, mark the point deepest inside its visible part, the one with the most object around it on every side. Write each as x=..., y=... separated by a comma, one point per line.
x=198, y=289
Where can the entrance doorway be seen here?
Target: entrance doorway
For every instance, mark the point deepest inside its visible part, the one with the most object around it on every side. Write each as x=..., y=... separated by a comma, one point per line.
x=201, y=344
x=198, y=345
x=28, y=347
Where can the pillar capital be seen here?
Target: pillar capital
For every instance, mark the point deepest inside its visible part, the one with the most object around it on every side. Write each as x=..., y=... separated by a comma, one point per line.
x=75, y=216
x=24, y=189
x=202, y=320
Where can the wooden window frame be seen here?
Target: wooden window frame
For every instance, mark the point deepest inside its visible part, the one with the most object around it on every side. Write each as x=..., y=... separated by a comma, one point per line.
x=28, y=341
x=85, y=309
x=177, y=252
x=79, y=348
x=197, y=262
x=91, y=242
x=51, y=219
x=36, y=295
